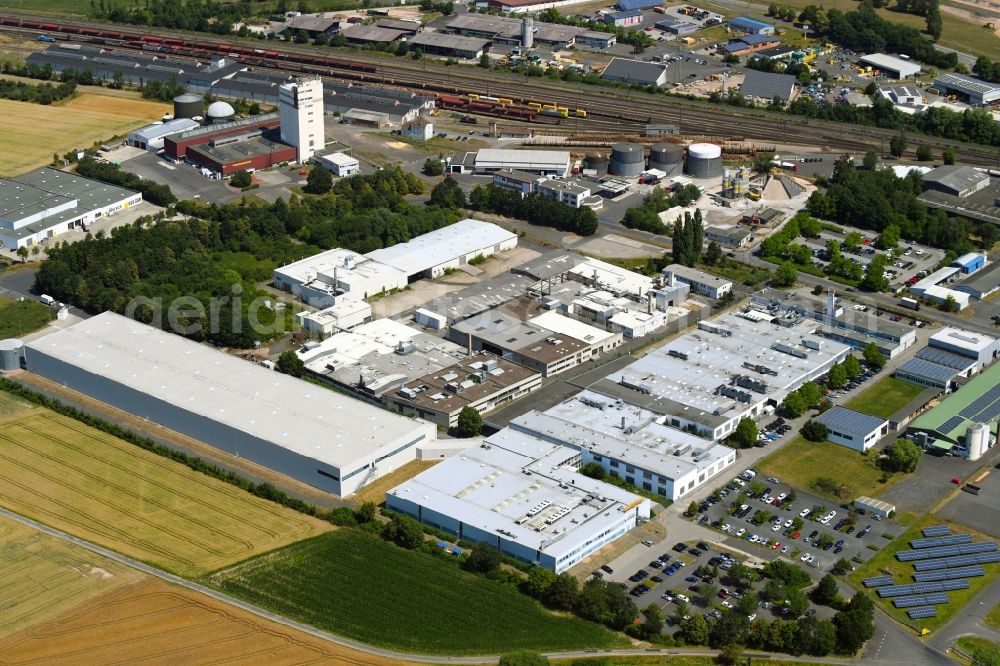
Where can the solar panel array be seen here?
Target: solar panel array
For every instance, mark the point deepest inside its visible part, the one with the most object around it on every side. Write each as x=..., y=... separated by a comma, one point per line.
x=986, y=406
x=950, y=540
x=957, y=561
x=948, y=574
x=920, y=600
x=936, y=531
x=877, y=581
x=922, y=612
x=946, y=551
x=951, y=424
x=922, y=588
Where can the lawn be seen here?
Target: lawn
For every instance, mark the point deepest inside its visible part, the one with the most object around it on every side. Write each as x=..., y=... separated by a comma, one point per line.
x=801, y=462
x=41, y=576
x=63, y=473
x=20, y=317
x=353, y=584
x=971, y=644
x=885, y=397
x=885, y=563
x=993, y=617
x=33, y=132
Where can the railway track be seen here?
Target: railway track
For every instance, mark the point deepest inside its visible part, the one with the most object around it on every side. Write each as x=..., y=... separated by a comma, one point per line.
x=605, y=107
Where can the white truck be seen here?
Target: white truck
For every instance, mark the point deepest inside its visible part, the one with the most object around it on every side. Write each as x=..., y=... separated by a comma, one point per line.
x=47, y=300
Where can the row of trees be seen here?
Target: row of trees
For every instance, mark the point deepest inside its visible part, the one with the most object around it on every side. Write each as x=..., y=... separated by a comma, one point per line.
x=153, y=192
x=687, y=238
x=533, y=208
x=199, y=15
x=41, y=93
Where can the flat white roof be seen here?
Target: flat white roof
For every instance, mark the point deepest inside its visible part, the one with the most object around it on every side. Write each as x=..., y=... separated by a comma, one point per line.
x=957, y=337
x=904, y=67
x=296, y=415
x=340, y=159
x=441, y=246
x=614, y=278
x=563, y=325
x=348, y=264
x=163, y=129
x=510, y=158
x=344, y=307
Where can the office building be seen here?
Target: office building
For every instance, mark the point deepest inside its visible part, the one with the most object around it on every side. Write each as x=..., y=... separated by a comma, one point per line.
x=853, y=429
x=700, y=282
x=300, y=106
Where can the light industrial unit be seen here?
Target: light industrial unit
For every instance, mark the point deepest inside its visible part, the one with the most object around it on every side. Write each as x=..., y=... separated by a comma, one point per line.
x=541, y=162
x=322, y=438
x=897, y=68
x=853, y=429
x=962, y=419
x=976, y=91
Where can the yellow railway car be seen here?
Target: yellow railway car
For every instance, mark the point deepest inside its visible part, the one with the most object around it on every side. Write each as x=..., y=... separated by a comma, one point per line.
x=581, y=113
x=535, y=105
x=505, y=100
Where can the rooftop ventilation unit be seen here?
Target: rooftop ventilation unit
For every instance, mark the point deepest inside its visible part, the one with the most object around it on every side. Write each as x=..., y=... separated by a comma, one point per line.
x=596, y=404
x=788, y=349
x=754, y=385
x=641, y=388
x=709, y=327
x=762, y=369
x=677, y=354
x=538, y=508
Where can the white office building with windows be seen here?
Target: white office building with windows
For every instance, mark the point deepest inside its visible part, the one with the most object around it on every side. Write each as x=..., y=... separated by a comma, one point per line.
x=300, y=108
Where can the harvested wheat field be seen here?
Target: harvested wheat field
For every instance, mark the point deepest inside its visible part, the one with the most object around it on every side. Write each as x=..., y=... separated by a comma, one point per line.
x=156, y=622
x=41, y=576
x=75, y=478
x=31, y=133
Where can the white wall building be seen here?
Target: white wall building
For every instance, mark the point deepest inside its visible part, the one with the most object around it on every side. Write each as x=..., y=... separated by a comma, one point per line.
x=541, y=162
x=300, y=105
x=700, y=282
x=151, y=137
x=563, y=191
x=316, y=436
x=339, y=164
x=523, y=496
x=453, y=246
x=320, y=279
x=983, y=349
x=343, y=315
x=853, y=429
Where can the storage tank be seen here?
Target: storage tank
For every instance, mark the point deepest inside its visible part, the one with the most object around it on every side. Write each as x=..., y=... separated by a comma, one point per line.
x=188, y=105
x=666, y=156
x=11, y=353
x=597, y=162
x=220, y=112
x=627, y=160
x=977, y=438
x=704, y=160
x=527, y=32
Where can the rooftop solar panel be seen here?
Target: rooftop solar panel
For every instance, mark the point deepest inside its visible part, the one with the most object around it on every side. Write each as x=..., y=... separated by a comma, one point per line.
x=936, y=530
x=982, y=403
x=922, y=612
x=948, y=574
x=951, y=424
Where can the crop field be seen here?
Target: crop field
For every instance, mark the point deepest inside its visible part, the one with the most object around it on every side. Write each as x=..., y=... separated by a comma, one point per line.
x=885, y=563
x=350, y=583
x=41, y=576
x=153, y=621
x=32, y=132
x=79, y=480
x=20, y=317
x=801, y=463
x=885, y=397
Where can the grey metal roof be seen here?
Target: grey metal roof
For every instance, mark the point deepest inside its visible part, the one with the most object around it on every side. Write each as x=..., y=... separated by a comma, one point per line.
x=953, y=176
x=967, y=84
x=985, y=279
x=919, y=367
x=767, y=85
x=944, y=357
x=442, y=40
x=634, y=71
x=372, y=33
x=850, y=422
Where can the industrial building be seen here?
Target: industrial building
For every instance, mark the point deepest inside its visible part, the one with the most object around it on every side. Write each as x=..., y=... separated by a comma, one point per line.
x=176, y=145
x=700, y=282
x=151, y=137
x=972, y=409
x=624, y=19
x=420, y=129
x=46, y=202
x=372, y=34
x=483, y=382
x=748, y=44
x=300, y=106
x=635, y=72
x=324, y=278
x=729, y=368
x=853, y=429
x=932, y=287
x=512, y=179
x=679, y=28
x=526, y=32
x=984, y=283
x=625, y=5
x=451, y=46
x=750, y=26
x=738, y=237
x=704, y=160
x=316, y=436
x=339, y=164
x=767, y=86
x=970, y=89
x=540, y=162
x=875, y=507
x=523, y=496
x=314, y=25
x=970, y=262
x=631, y=443
x=343, y=315
x=548, y=343
x=894, y=68
x=958, y=181
x=378, y=357
x=453, y=246
x=569, y=193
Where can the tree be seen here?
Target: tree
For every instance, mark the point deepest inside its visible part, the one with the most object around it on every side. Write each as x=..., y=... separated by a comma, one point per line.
x=653, y=620
x=854, y=627
x=873, y=356
x=745, y=434
x=786, y=275
x=809, y=226
x=433, y=166
x=289, y=363
x=730, y=654
x=484, y=61
x=794, y=405
x=241, y=179
x=319, y=181
x=366, y=512
x=36, y=250
x=563, y=593
x=889, y=238
x=22, y=252
x=713, y=254
x=826, y=591
x=897, y=145
x=842, y=566
x=853, y=240
x=852, y=366
x=405, y=532
x=694, y=630
x=924, y=153
x=950, y=304
x=837, y=376
x=874, y=278
x=448, y=194
x=870, y=161
x=815, y=431
x=948, y=155
x=903, y=456
x=484, y=560
x=523, y=658
x=934, y=23
x=729, y=629
x=692, y=509
x=470, y=422
x=538, y=581
x=796, y=602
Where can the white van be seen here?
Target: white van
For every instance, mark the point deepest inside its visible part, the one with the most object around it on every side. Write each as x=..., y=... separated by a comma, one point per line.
x=46, y=299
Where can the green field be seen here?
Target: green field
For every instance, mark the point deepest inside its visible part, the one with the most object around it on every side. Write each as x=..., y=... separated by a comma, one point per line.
x=801, y=462
x=885, y=563
x=885, y=397
x=993, y=617
x=972, y=644
x=20, y=317
x=353, y=584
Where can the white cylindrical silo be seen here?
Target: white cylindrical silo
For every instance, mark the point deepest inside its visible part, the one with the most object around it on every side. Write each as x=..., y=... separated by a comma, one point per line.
x=11, y=353
x=704, y=160
x=977, y=440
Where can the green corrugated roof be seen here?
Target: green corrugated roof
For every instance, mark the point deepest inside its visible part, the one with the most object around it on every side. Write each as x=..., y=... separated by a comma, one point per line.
x=950, y=407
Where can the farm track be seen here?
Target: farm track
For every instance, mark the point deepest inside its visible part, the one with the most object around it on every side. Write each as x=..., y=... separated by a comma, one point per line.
x=605, y=107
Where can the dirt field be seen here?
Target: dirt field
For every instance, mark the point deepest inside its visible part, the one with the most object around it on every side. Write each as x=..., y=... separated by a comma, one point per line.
x=41, y=576
x=32, y=133
x=158, y=623
x=75, y=478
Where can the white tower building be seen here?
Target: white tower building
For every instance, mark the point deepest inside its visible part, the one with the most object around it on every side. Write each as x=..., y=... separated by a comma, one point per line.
x=300, y=105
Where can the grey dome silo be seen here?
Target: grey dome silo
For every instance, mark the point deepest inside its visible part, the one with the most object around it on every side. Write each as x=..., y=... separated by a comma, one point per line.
x=704, y=160
x=666, y=156
x=188, y=105
x=596, y=161
x=11, y=353
x=627, y=160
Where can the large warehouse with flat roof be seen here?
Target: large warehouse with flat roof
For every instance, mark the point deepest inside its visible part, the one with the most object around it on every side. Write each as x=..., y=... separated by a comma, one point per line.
x=319, y=437
x=897, y=68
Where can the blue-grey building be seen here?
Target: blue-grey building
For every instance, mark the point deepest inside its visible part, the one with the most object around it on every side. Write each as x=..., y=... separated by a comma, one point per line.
x=751, y=26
